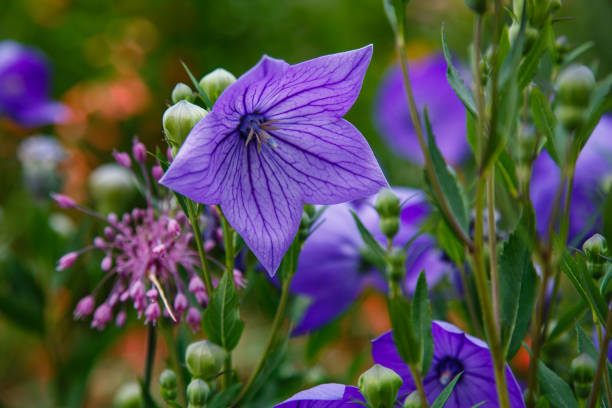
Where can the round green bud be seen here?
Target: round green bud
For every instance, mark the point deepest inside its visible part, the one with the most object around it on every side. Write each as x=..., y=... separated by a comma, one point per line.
x=396, y=264
x=112, y=187
x=128, y=396
x=379, y=386
x=387, y=204
x=197, y=393
x=582, y=368
x=178, y=120
x=412, y=401
x=215, y=82
x=204, y=359
x=479, y=6
x=181, y=92
x=571, y=117
x=595, y=247
x=167, y=382
x=554, y=5
x=575, y=85
x=389, y=226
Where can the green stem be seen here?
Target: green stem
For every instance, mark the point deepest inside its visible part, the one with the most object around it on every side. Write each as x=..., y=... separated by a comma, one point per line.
x=493, y=249
x=276, y=325
x=435, y=184
x=193, y=220
x=469, y=299
x=173, y=359
x=150, y=361
x=602, y=362
x=418, y=380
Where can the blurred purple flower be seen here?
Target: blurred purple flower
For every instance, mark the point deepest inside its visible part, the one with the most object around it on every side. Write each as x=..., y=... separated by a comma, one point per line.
x=431, y=89
x=325, y=396
x=274, y=140
x=144, y=251
x=24, y=86
x=593, y=171
x=454, y=352
x=335, y=254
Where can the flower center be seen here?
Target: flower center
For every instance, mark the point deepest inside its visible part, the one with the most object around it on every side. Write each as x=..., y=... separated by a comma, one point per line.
x=447, y=369
x=255, y=125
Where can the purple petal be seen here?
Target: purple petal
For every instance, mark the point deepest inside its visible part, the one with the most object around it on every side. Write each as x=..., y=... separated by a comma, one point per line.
x=325, y=87
x=325, y=396
x=329, y=162
x=431, y=89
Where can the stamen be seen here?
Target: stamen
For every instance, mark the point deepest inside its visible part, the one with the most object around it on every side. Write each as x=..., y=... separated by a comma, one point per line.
x=162, y=295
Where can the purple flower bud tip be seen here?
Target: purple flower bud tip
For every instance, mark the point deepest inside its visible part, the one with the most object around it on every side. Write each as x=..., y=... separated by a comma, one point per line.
x=102, y=315
x=159, y=249
x=174, y=228
x=194, y=318
x=137, y=290
x=209, y=245
x=112, y=218
x=152, y=294
x=67, y=261
x=139, y=151
x=99, y=242
x=123, y=159
x=239, y=279
x=107, y=262
x=157, y=172
x=63, y=201
x=196, y=285
x=121, y=318
x=109, y=233
x=152, y=313
x=180, y=303
x=84, y=307
x=169, y=154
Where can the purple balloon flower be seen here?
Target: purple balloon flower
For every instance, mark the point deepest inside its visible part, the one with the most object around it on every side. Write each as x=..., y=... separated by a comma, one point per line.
x=454, y=352
x=24, y=87
x=334, y=253
x=274, y=140
x=325, y=396
x=431, y=89
x=593, y=170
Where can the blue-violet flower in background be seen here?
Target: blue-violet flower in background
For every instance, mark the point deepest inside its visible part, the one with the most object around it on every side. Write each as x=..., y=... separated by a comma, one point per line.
x=275, y=140
x=431, y=89
x=24, y=87
x=325, y=396
x=335, y=254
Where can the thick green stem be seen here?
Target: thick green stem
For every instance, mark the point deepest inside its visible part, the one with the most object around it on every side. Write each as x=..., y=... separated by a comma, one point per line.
x=228, y=242
x=602, y=366
x=193, y=220
x=276, y=325
x=150, y=361
x=173, y=359
x=418, y=380
x=493, y=249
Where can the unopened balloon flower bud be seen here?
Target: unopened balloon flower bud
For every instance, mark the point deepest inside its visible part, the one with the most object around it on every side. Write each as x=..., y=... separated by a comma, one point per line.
x=178, y=120
x=181, y=92
x=479, y=6
x=128, y=396
x=575, y=85
x=570, y=116
x=396, y=264
x=197, y=393
x=215, y=82
x=412, y=401
x=387, y=204
x=379, y=386
x=582, y=372
x=204, y=359
x=168, y=383
x=595, y=248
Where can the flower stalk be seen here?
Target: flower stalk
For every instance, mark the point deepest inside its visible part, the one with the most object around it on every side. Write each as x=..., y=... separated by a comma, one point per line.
x=150, y=361
x=193, y=220
x=602, y=361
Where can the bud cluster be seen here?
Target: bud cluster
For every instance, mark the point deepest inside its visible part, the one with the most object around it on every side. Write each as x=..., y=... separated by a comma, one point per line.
x=379, y=386
x=595, y=249
x=388, y=208
x=582, y=372
x=575, y=85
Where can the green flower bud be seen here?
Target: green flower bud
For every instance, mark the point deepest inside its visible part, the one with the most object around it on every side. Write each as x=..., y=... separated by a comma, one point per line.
x=197, y=393
x=582, y=372
x=215, y=82
x=204, y=359
x=112, y=187
x=128, y=396
x=594, y=248
x=479, y=6
x=554, y=5
x=178, y=120
x=571, y=117
x=167, y=382
x=181, y=92
x=562, y=46
x=389, y=226
x=575, y=85
x=396, y=264
x=379, y=386
x=412, y=401
x=387, y=204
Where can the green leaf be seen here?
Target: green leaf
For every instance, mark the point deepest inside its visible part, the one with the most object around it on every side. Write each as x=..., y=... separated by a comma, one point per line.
x=421, y=321
x=555, y=389
x=607, y=219
x=567, y=320
x=511, y=61
x=576, y=52
x=585, y=345
x=455, y=80
x=197, y=86
x=543, y=118
x=576, y=270
x=530, y=63
x=600, y=102
x=396, y=14
x=448, y=183
x=221, y=321
x=446, y=392
x=516, y=276
x=449, y=242
x=403, y=332
x=224, y=398
x=480, y=404
x=376, y=251
x=507, y=169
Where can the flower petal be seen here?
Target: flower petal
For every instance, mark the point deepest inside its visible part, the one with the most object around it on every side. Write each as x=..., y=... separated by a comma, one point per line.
x=261, y=203
x=330, y=162
x=326, y=87
x=324, y=396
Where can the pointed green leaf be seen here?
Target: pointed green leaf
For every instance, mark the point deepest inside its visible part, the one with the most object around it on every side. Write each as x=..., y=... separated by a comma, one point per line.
x=377, y=252
x=224, y=398
x=567, y=320
x=446, y=392
x=403, y=331
x=543, y=118
x=421, y=321
x=455, y=80
x=558, y=393
x=221, y=321
x=197, y=86
x=530, y=63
